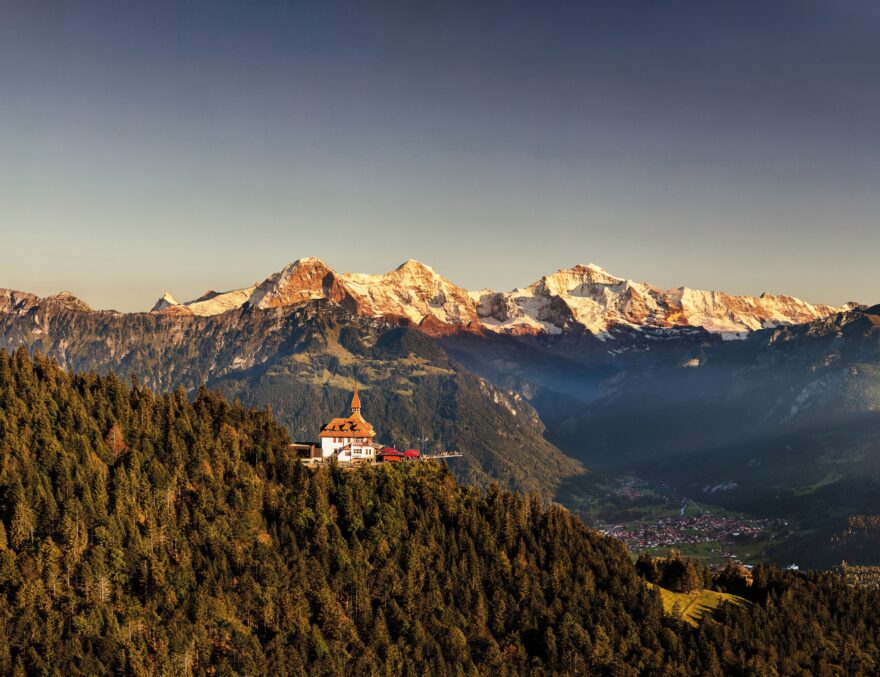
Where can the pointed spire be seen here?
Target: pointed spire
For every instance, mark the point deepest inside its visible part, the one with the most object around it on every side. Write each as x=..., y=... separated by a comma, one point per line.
x=355, y=400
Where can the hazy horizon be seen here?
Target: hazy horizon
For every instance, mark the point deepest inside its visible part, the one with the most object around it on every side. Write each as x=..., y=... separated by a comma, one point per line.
x=206, y=145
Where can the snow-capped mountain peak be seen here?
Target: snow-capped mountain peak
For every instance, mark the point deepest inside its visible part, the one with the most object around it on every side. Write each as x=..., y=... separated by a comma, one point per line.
x=413, y=291
x=69, y=301
x=578, y=281
x=304, y=279
x=593, y=298
x=412, y=264
x=167, y=301
x=583, y=296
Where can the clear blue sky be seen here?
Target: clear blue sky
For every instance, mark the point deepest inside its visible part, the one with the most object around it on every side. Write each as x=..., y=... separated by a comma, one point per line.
x=194, y=145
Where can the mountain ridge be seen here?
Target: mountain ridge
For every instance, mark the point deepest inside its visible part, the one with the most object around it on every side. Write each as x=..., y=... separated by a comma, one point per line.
x=581, y=298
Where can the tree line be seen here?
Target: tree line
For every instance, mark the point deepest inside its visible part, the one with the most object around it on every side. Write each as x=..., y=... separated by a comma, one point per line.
x=158, y=534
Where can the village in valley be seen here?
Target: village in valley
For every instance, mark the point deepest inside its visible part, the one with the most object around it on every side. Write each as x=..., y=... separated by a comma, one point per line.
x=712, y=535
x=651, y=517
x=349, y=441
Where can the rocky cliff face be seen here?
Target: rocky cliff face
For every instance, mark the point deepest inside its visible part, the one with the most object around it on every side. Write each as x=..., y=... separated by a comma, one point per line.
x=18, y=302
x=304, y=280
x=583, y=298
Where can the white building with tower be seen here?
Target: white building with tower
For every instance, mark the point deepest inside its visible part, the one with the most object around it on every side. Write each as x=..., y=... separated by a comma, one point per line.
x=350, y=439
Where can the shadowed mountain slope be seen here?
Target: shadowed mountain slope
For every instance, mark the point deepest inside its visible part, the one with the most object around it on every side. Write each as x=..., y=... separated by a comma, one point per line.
x=303, y=361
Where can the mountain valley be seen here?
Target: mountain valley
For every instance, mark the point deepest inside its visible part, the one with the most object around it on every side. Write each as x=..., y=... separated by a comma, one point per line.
x=770, y=397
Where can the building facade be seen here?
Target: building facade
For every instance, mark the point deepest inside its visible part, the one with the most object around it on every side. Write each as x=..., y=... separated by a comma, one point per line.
x=349, y=439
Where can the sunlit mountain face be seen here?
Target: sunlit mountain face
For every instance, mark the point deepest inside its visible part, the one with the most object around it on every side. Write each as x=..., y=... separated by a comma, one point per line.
x=583, y=298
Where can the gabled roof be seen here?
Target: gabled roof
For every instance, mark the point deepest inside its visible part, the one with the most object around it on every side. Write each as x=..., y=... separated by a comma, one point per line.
x=352, y=426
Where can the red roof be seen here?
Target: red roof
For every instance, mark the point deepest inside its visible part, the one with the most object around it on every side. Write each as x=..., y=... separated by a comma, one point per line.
x=353, y=426
x=411, y=453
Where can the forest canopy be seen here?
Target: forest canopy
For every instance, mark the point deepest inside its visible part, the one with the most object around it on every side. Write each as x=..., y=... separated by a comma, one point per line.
x=165, y=534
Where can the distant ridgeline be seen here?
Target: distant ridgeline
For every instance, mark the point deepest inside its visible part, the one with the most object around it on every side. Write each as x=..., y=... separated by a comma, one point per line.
x=149, y=534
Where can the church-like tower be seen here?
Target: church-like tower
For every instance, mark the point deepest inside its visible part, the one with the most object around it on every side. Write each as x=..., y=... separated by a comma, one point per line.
x=349, y=439
x=355, y=401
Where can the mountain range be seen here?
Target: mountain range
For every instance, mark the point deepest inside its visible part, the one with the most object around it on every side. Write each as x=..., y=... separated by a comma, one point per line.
x=583, y=297
x=581, y=369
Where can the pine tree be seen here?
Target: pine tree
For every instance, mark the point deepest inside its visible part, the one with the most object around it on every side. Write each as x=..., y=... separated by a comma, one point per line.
x=21, y=530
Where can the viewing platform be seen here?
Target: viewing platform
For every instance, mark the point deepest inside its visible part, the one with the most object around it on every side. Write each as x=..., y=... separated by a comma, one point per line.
x=443, y=455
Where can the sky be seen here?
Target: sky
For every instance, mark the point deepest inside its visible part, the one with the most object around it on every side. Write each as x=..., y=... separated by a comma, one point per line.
x=188, y=146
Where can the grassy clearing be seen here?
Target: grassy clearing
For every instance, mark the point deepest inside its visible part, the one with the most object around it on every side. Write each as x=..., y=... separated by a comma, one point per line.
x=748, y=551
x=831, y=478
x=694, y=605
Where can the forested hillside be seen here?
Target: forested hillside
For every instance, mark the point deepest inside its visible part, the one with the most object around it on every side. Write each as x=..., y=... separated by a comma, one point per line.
x=303, y=361
x=150, y=534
